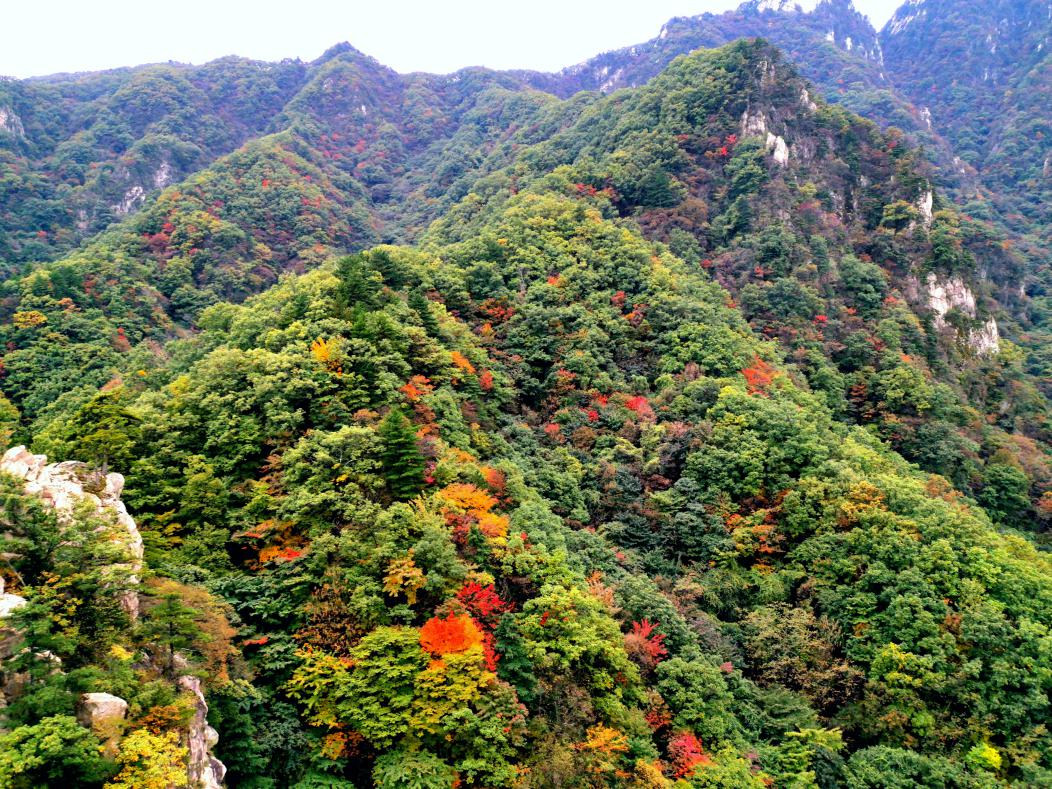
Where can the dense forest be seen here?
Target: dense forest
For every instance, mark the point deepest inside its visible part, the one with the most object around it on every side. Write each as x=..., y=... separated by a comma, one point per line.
x=507, y=430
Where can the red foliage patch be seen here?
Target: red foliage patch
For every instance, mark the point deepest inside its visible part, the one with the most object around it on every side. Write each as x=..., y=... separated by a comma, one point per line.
x=640, y=406
x=686, y=755
x=645, y=644
x=759, y=376
x=483, y=603
x=489, y=652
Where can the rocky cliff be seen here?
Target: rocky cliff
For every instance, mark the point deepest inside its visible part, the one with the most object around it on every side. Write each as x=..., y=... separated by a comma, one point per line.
x=65, y=485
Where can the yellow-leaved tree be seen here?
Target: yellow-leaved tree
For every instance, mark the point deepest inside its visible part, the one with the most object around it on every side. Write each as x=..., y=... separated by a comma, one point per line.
x=151, y=761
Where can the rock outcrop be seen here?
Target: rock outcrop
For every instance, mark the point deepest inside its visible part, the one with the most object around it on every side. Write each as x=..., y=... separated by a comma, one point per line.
x=778, y=148
x=954, y=294
x=205, y=771
x=925, y=204
x=8, y=602
x=104, y=714
x=8, y=637
x=64, y=485
x=11, y=123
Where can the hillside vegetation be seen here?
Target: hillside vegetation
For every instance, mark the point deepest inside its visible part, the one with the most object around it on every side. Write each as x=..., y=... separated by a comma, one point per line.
x=477, y=437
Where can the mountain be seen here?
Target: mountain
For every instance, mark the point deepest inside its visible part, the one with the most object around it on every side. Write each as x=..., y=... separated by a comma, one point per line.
x=982, y=124
x=361, y=155
x=831, y=43
x=679, y=439
x=983, y=69
x=826, y=38
x=83, y=151
x=80, y=151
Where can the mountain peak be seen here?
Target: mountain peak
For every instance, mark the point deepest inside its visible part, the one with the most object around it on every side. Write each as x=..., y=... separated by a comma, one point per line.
x=907, y=13
x=781, y=6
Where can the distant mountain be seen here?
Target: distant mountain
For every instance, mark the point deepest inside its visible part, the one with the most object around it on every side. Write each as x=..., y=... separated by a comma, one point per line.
x=984, y=71
x=968, y=80
x=81, y=151
x=816, y=35
x=84, y=150
x=831, y=43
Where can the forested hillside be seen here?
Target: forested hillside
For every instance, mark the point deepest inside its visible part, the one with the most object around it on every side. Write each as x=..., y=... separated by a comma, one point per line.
x=983, y=68
x=478, y=435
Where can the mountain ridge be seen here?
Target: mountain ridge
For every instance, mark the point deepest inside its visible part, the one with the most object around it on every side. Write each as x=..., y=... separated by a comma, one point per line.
x=682, y=441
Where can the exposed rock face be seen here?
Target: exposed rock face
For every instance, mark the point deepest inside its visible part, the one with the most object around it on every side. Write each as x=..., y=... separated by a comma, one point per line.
x=8, y=637
x=955, y=294
x=131, y=199
x=64, y=485
x=948, y=295
x=11, y=123
x=925, y=204
x=779, y=150
x=163, y=176
x=9, y=602
x=798, y=6
x=753, y=123
x=205, y=771
x=986, y=339
x=104, y=714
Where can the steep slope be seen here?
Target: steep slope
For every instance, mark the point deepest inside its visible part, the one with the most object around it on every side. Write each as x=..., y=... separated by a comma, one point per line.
x=886, y=298
x=984, y=70
x=831, y=43
x=832, y=241
x=81, y=151
x=533, y=505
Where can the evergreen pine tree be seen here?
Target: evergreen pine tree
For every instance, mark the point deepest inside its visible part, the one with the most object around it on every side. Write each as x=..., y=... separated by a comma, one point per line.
x=419, y=304
x=403, y=465
x=359, y=283
x=172, y=625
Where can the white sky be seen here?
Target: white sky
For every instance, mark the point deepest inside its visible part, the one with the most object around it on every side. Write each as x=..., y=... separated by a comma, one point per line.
x=49, y=36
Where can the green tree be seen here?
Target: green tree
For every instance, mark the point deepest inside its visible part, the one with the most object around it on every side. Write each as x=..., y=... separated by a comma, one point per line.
x=171, y=625
x=1005, y=494
x=56, y=752
x=412, y=770
x=403, y=464
x=104, y=433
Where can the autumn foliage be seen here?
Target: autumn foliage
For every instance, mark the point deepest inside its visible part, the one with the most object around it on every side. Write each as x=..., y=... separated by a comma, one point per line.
x=461, y=362
x=483, y=603
x=640, y=406
x=686, y=755
x=466, y=505
x=645, y=644
x=445, y=636
x=759, y=376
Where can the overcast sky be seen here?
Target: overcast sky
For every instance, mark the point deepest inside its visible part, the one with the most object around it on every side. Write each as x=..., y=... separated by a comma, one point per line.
x=49, y=36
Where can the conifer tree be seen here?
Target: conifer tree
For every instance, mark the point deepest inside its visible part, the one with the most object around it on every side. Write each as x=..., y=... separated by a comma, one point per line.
x=172, y=624
x=358, y=282
x=419, y=304
x=403, y=465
